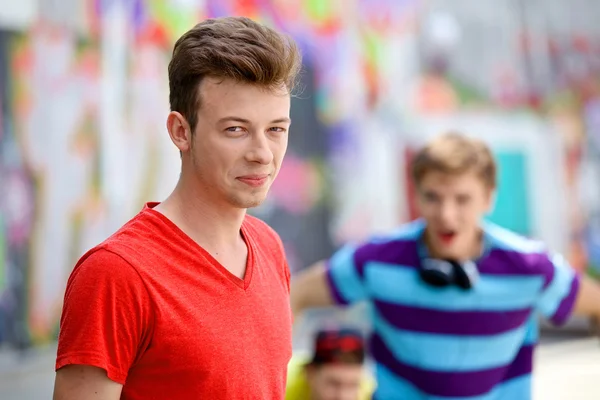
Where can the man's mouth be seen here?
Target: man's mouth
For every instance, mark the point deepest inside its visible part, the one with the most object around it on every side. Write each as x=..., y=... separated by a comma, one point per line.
x=447, y=236
x=255, y=180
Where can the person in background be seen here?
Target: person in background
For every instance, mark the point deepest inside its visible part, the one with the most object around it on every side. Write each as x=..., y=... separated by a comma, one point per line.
x=335, y=372
x=455, y=299
x=180, y=303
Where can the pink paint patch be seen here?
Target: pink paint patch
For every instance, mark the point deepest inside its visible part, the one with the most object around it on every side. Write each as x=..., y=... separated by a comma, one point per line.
x=298, y=186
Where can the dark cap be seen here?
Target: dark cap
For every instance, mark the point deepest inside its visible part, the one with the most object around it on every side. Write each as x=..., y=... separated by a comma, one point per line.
x=345, y=346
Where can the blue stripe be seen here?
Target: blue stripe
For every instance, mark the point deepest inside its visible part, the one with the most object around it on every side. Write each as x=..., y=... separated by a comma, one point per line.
x=566, y=306
x=558, y=288
x=532, y=335
x=449, y=353
x=400, y=284
x=344, y=275
x=393, y=387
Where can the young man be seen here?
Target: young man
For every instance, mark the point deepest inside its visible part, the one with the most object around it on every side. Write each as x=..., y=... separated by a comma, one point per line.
x=336, y=371
x=455, y=300
x=189, y=299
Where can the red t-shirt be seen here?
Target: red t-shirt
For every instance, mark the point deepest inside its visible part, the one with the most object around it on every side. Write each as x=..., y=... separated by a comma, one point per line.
x=167, y=321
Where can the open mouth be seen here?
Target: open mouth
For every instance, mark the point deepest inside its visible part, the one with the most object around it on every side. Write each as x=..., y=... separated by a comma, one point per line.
x=447, y=236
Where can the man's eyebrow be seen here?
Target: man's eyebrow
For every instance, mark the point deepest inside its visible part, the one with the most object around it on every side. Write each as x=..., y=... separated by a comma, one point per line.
x=234, y=119
x=282, y=120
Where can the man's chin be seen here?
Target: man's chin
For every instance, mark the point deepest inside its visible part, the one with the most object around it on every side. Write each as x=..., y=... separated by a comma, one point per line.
x=249, y=202
x=254, y=204
x=446, y=251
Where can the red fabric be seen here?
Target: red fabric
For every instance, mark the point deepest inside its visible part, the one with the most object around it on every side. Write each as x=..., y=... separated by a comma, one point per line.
x=167, y=321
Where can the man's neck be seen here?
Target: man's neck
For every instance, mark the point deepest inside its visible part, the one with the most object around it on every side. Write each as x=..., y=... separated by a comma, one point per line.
x=207, y=223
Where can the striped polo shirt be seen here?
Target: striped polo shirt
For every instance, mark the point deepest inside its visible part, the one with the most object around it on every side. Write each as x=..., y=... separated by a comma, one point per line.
x=448, y=343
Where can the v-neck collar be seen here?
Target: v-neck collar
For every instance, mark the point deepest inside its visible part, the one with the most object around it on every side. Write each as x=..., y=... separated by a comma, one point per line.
x=243, y=283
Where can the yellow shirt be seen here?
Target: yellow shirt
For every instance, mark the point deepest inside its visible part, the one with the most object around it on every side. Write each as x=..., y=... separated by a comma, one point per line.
x=297, y=385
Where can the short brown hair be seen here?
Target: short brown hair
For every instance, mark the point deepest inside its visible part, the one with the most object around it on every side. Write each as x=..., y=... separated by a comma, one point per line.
x=454, y=153
x=229, y=47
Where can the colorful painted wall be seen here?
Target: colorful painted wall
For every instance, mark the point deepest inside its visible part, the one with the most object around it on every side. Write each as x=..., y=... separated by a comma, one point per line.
x=83, y=140
x=543, y=68
x=84, y=96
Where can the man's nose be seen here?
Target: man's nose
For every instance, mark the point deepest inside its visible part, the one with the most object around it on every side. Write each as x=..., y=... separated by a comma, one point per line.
x=259, y=151
x=447, y=212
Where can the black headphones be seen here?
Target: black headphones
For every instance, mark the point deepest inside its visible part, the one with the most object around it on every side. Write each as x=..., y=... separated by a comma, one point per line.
x=444, y=272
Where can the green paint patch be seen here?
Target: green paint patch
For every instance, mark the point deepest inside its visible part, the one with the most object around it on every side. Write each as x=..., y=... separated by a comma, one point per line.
x=512, y=203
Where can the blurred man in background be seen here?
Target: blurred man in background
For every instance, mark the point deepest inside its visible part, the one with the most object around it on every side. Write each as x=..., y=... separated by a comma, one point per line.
x=182, y=301
x=336, y=371
x=455, y=299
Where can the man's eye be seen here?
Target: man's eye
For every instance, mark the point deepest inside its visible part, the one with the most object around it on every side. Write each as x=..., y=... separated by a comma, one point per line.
x=277, y=129
x=430, y=197
x=463, y=199
x=235, y=129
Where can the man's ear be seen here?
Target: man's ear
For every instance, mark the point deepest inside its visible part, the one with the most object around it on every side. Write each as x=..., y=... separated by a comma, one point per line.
x=179, y=131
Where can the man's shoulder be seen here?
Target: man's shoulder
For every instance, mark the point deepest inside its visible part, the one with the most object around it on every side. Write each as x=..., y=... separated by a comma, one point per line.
x=515, y=253
x=258, y=224
x=261, y=231
x=397, y=246
x=117, y=249
x=504, y=239
x=138, y=228
x=101, y=266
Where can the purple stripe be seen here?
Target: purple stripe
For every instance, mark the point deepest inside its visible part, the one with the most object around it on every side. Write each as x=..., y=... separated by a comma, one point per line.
x=335, y=293
x=522, y=364
x=496, y=262
x=563, y=312
x=453, y=384
x=451, y=322
x=508, y=262
x=402, y=252
x=546, y=267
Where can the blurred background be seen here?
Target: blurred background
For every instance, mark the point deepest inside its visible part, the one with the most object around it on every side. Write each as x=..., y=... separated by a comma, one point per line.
x=83, y=144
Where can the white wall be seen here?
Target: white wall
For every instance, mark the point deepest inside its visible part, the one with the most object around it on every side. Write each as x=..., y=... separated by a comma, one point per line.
x=17, y=14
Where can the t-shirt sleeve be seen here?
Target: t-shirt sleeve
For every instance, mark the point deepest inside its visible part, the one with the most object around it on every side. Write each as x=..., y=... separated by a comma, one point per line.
x=345, y=275
x=106, y=318
x=557, y=298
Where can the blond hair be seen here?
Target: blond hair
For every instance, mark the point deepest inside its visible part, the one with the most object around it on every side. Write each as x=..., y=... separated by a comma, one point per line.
x=454, y=153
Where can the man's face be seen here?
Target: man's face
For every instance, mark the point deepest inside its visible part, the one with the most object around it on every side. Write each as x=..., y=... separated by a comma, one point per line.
x=240, y=140
x=453, y=206
x=335, y=382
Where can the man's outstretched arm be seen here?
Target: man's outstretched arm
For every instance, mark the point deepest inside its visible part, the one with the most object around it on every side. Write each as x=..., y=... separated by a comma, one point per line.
x=567, y=292
x=337, y=281
x=588, y=298
x=310, y=289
